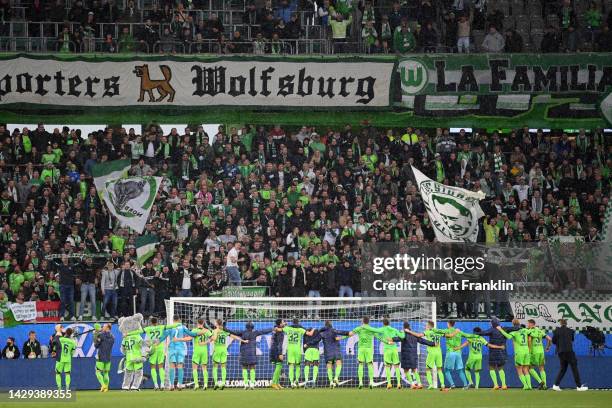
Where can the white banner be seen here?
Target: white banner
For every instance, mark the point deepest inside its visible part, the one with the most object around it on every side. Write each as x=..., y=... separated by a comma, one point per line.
x=196, y=83
x=23, y=311
x=131, y=199
x=578, y=314
x=454, y=212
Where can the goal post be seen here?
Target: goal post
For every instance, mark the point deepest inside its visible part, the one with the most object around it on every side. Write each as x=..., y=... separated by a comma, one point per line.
x=344, y=313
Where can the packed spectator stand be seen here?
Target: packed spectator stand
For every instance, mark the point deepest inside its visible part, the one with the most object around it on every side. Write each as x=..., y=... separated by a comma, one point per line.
x=305, y=26
x=300, y=201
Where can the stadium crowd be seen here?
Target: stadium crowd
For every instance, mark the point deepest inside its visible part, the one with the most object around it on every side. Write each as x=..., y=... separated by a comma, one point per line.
x=290, y=206
x=267, y=26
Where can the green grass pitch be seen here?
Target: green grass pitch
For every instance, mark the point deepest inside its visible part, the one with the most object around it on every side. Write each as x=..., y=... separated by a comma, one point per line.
x=338, y=398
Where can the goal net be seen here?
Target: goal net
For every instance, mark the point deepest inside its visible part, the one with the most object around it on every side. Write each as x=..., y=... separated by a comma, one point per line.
x=344, y=314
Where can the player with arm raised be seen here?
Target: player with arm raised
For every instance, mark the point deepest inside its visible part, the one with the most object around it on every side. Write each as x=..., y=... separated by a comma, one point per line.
x=536, y=355
x=331, y=351
x=103, y=342
x=248, y=352
x=201, y=337
x=219, y=357
x=131, y=347
x=295, y=334
x=474, y=361
x=365, y=351
x=497, y=356
x=520, y=341
x=453, y=360
x=64, y=348
x=434, y=353
x=276, y=353
x=312, y=357
x=154, y=333
x=386, y=334
x=409, y=355
x=177, y=351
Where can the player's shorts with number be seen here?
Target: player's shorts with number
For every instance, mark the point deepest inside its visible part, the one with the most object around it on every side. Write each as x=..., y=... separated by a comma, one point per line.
x=177, y=357
x=474, y=364
x=434, y=359
x=200, y=357
x=62, y=367
x=157, y=356
x=522, y=359
x=537, y=359
x=219, y=356
x=133, y=365
x=294, y=356
x=365, y=355
x=103, y=365
x=453, y=361
x=312, y=355
x=391, y=356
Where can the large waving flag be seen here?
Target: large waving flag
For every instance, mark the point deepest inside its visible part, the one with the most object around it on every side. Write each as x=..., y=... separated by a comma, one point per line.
x=129, y=199
x=112, y=170
x=146, y=245
x=454, y=212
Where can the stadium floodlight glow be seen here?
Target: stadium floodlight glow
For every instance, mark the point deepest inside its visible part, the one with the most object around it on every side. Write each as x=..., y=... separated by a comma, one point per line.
x=457, y=130
x=343, y=313
x=536, y=130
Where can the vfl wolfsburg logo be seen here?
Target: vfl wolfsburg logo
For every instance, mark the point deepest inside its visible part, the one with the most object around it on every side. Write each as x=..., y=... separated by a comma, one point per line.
x=413, y=75
x=131, y=197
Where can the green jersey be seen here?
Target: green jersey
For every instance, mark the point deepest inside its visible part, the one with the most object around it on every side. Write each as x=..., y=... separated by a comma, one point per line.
x=452, y=342
x=434, y=335
x=221, y=340
x=66, y=349
x=476, y=343
x=131, y=346
x=537, y=335
x=294, y=337
x=200, y=341
x=366, y=337
x=386, y=333
x=519, y=340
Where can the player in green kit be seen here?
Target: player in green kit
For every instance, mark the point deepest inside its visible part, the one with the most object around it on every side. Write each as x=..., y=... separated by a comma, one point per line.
x=390, y=352
x=64, y=348
x=522, y=359
x=474, y=361
x=453, y=360
x=434, y=353
x=365, y=351
x=295, y=335
x=201, y=337
x=536, y=352
x=131, y=347
x=157, y=356
x=219, y=357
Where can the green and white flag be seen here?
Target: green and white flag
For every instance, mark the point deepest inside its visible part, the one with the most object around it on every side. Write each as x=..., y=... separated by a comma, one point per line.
x=107, y=171
x=454, y=212
x=145, y=247
x=131, y=199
